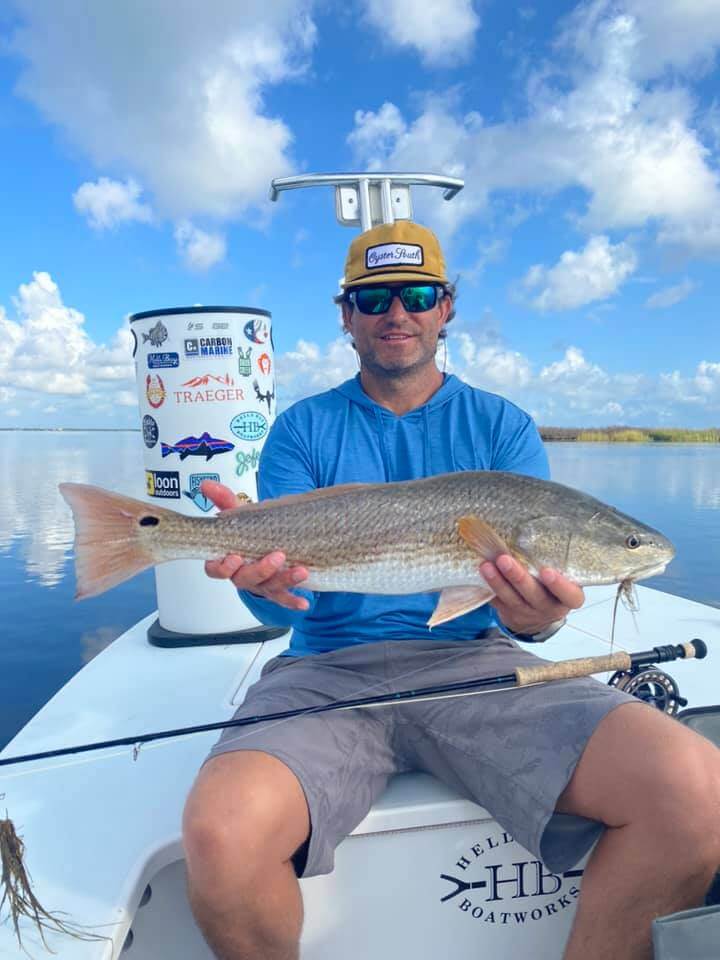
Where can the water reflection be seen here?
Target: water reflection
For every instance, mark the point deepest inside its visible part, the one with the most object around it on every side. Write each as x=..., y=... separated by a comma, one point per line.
x=674, y=487
x=32, y=512
x=686, y=472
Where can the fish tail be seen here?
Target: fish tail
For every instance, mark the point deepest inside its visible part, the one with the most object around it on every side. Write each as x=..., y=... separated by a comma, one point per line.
x=165, y=449
x=111, y=542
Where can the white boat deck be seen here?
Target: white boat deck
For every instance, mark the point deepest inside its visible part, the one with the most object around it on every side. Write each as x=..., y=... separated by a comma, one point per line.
x=98, y=826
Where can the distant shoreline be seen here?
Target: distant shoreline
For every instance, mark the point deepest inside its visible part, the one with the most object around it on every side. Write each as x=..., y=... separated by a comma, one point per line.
x=548, y=434
x=630, y=434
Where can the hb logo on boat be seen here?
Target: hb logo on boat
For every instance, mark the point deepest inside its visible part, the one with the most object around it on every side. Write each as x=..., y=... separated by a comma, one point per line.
x=163, y=483
x=513, y=891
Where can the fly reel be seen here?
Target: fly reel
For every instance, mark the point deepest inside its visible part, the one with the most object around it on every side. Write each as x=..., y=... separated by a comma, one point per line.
x=652, y=686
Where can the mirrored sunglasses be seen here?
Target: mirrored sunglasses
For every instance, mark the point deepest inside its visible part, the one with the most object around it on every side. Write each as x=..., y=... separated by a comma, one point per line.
x=416, y=298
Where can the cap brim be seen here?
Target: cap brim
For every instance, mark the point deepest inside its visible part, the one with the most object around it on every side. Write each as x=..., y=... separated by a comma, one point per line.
x=394, y=276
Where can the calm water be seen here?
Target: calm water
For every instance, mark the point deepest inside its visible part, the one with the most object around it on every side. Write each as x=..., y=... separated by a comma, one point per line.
x=45, y=637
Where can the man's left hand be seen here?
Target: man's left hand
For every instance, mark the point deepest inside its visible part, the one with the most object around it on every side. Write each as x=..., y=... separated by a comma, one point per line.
x=528, y=604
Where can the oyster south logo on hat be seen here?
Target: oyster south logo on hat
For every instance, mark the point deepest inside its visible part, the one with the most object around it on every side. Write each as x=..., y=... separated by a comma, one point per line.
x=383, y=253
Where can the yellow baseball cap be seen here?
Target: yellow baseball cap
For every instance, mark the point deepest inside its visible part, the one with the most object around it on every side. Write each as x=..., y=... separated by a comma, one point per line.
x=393, y=252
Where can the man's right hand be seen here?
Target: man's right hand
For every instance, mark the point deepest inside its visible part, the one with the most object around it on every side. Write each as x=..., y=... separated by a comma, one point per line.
x=267, y=577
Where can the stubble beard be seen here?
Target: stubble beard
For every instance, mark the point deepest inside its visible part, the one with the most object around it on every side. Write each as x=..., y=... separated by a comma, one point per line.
x=399, y=369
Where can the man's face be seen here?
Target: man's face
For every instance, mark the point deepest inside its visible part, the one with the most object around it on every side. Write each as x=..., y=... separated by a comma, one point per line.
x=397, y=342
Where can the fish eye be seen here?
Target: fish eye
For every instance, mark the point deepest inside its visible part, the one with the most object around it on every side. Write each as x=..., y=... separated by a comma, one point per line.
x=633, y=541
x=149, y=521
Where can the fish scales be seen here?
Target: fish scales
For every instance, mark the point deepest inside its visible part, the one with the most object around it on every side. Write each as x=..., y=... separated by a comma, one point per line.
x=411, y=522
x=404, y=537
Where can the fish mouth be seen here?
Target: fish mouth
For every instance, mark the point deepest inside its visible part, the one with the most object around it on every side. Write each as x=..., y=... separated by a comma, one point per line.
x=650, y=571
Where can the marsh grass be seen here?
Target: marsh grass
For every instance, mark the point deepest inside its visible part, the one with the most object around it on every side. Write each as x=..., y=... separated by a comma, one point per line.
x=632, y=435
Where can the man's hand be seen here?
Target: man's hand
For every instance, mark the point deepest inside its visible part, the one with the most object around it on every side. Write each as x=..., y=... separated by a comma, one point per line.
x=268, y=577
x=526, y=604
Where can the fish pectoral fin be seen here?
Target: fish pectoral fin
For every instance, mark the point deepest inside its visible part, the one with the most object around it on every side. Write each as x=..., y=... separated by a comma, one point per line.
x=455, y=601
x=479, y=535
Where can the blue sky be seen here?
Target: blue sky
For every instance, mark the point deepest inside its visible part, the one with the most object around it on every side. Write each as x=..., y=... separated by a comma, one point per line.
x=139, y=139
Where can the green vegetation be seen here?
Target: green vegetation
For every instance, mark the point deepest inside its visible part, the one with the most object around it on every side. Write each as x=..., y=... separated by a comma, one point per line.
x=632, y=435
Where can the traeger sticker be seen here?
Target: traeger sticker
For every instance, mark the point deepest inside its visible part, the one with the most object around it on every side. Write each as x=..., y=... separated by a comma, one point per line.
x=494, y=883
x=149, y=431
x=393, y=254
x=193, y=492
x=202, y=446
x=157, y=336
x=154, y=390
x=201, y=347
x=162, y=360
x=257, y=330
x=163, y=483
x=244, y=367
x=249, y=425
x=209, y=389
x=266, y=396
x=246, y=461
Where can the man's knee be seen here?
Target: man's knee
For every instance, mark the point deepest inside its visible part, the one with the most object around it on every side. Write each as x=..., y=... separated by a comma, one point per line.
x=245, y=813
x=643, y=768
x=687, y=804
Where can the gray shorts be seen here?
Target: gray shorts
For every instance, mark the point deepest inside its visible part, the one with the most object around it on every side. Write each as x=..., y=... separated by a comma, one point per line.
x=511, y=752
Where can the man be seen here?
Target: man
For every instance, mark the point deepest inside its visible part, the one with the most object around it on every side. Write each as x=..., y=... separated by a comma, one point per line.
x=272, y=805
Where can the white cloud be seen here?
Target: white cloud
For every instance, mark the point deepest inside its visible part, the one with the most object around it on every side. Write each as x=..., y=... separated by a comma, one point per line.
x=47, y=351
x=670, y=295
x=376, y=134
x=593, y=120
x=442, y=31
x=191, y=125
x=490, y=366
x=595, y=273
x=108, y=203
x=681, y=34
x=311, y=368
x=200, y=250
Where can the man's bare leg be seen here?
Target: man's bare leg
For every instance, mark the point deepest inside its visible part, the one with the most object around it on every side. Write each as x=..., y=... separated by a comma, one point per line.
x=656, y=784
x=244, y=819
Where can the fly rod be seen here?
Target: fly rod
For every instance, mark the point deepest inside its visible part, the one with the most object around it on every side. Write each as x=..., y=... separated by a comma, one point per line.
x=520, y=677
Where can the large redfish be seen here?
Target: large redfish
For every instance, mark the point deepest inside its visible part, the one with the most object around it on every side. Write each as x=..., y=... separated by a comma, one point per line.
x=418, y=536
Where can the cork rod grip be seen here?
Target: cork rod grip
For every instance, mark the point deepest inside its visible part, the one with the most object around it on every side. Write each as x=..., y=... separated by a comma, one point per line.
x=567, y=669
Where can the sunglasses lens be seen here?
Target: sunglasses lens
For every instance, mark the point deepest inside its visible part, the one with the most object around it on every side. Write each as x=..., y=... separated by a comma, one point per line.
x=373, y=299
x=418, y=299
x=415, y=298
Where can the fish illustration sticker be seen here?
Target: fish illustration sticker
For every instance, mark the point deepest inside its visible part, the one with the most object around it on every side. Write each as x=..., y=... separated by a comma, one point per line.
x=155, y=390
x=193, y=492
x=257, y=330
x=249, y=425
x=157, y=336
x=202, y=446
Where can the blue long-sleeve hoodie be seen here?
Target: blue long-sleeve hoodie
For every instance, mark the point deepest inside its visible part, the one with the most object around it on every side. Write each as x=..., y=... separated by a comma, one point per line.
x=343, y=436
